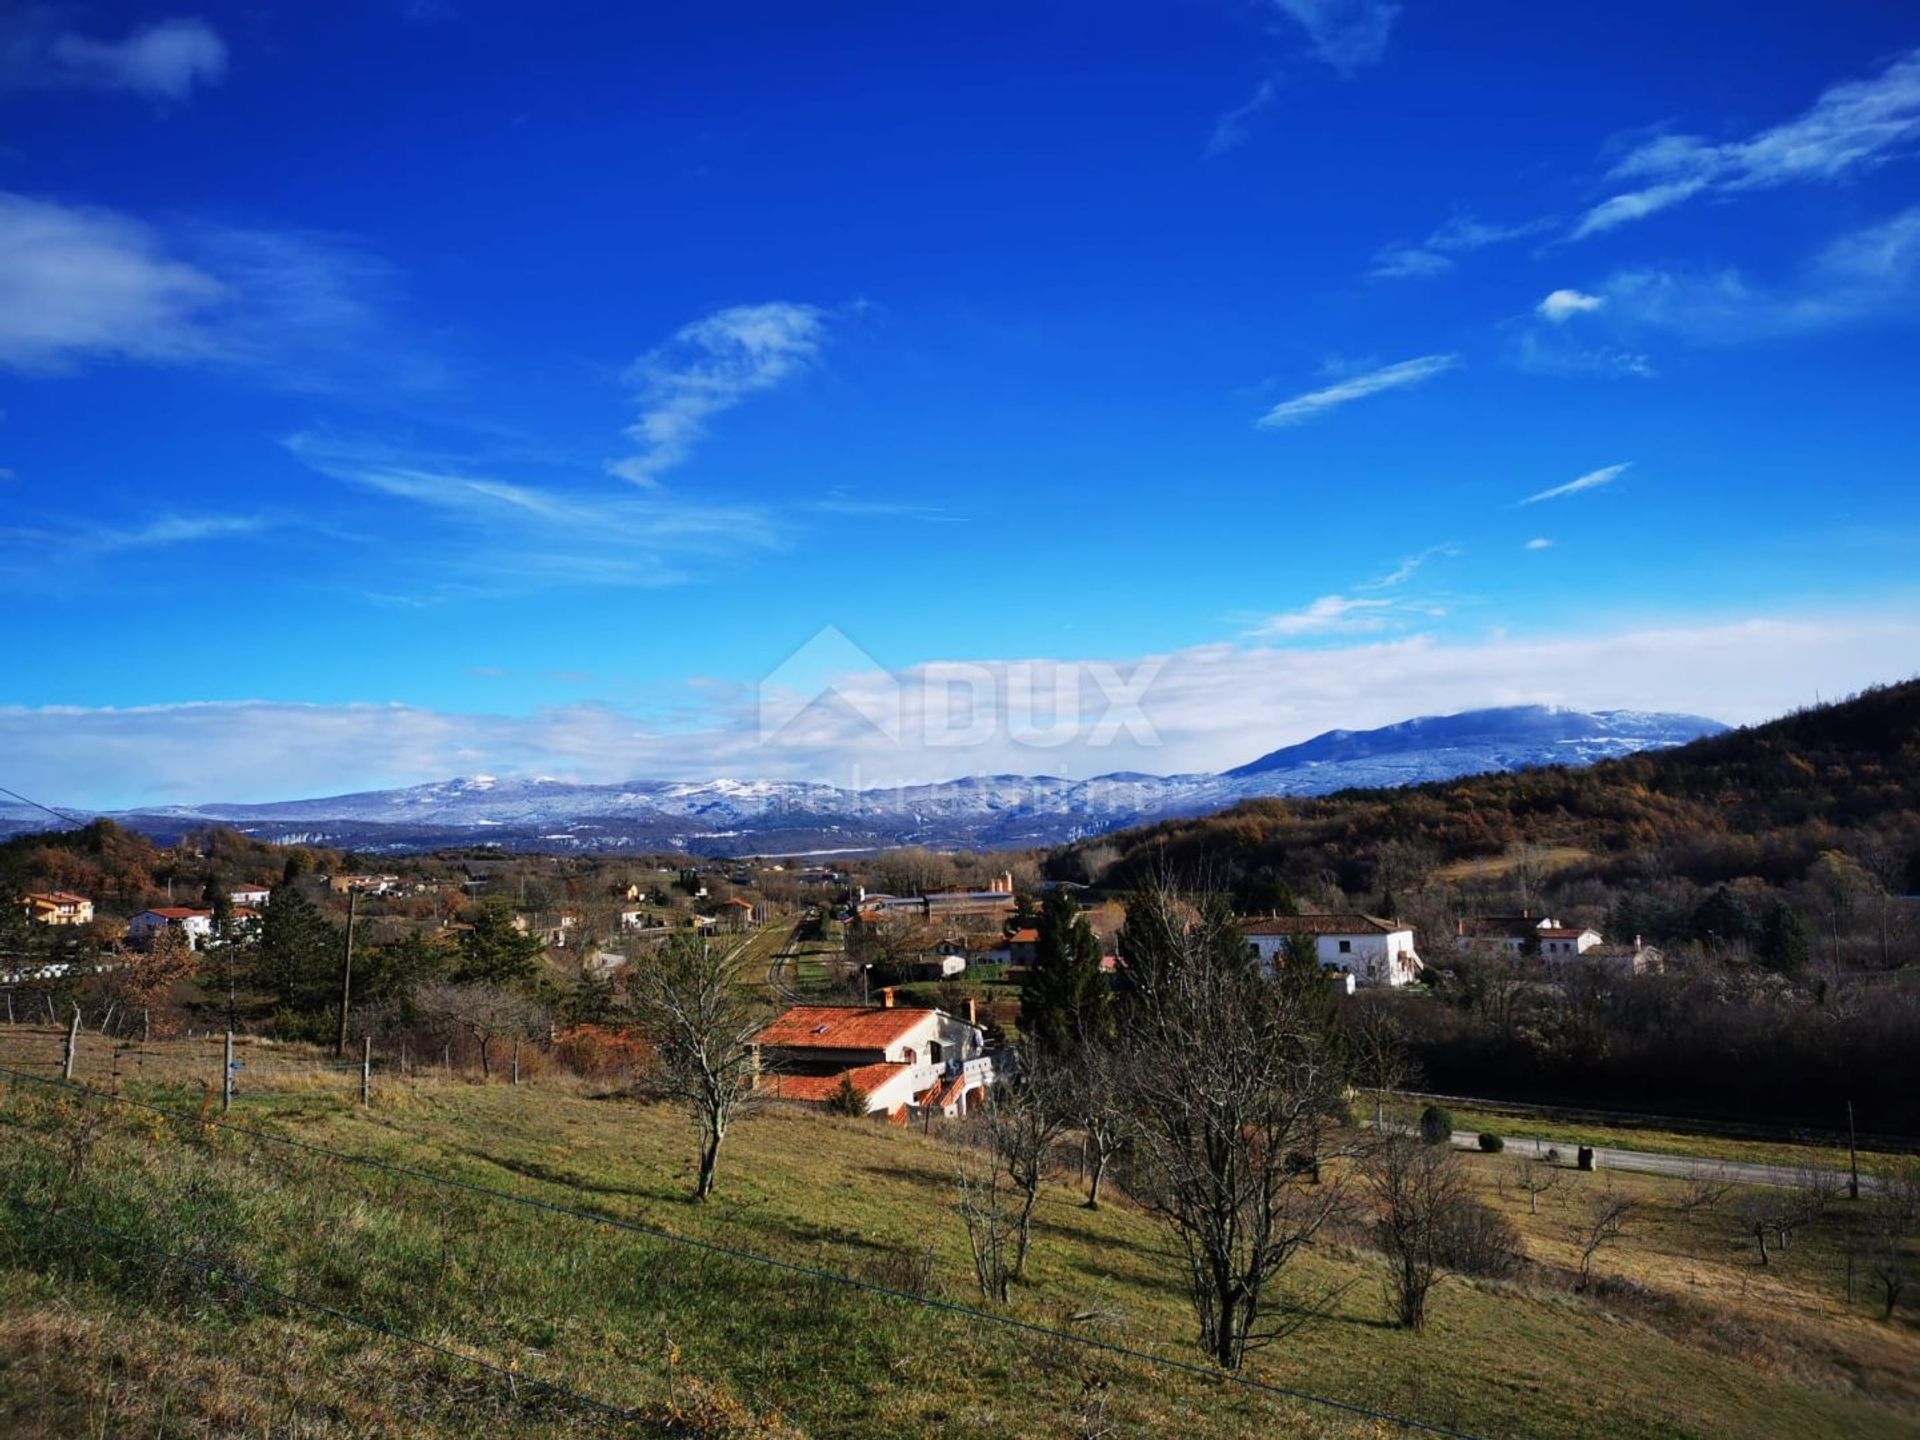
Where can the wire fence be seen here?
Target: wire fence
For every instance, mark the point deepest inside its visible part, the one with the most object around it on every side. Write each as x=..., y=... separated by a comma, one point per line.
x=680, y=1271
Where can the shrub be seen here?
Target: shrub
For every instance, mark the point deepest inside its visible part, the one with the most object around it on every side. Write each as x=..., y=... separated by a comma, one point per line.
x=849, y=1099
x=1474, y=1239
x=1491, y=1143
x=1553, y=1154
x=1436, y=1125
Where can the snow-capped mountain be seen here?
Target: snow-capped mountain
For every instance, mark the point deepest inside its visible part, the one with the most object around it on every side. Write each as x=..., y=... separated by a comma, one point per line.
x=789, y=817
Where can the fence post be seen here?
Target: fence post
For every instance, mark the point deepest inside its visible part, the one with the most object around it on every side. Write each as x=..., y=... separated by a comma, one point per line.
x=226, y=1074
x=366, y=1069
x=73, y=1046
x=446, y=1056
x=516, y=1059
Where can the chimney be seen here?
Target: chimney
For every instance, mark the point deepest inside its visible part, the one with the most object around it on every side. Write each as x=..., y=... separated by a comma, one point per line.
x=886, y=997
x=973, y=1011
x=1636, y=942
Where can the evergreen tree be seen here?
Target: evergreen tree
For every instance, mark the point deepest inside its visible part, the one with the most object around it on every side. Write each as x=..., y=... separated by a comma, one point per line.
x=1783, y=943
x=1724, y=918
x=297, y=960
x=493, y=952
x=1066, y=998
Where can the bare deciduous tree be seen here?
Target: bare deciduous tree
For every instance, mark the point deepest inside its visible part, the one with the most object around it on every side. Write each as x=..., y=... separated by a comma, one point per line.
x=1415, y=1187
x=1090, y=1096
x=1534, y=1176
x=1377, y=1055
x=1605, y=1222
x=484, y=1013
x=1233, y=1084
x=1012, y=1135
x=693, y=999
x=1704, y=1190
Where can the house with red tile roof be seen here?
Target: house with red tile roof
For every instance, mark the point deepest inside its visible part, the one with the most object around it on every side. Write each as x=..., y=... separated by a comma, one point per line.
x=1517, y=934
x=58, y=907
x=905, y=1059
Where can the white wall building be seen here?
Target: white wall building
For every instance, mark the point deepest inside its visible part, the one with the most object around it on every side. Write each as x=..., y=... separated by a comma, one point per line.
x=1372, y=950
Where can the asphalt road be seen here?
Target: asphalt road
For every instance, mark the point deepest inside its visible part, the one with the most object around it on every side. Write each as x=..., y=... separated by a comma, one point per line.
x=1646, y=1162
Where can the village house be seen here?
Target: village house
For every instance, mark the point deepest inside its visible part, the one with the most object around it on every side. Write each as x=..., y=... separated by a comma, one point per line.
x=254, y=895
x=1634, y=959
x=1517, y=934
x=365, y=884
x=58, y=907
x=906, y=1060
x=193, y=922
x=737, y=914
x=1373, y=951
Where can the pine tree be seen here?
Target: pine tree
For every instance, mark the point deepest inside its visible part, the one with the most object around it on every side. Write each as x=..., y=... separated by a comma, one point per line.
x=493, y=952
x=298, y=958
x=1066, y=999
x=1784, y=945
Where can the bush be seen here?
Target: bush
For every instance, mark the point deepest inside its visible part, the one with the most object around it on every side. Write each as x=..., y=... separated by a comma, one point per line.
x=1491, y=1143
x=1473, y=1239
x=1436, y=1125
x=1553, y=1154
x=849, y=1099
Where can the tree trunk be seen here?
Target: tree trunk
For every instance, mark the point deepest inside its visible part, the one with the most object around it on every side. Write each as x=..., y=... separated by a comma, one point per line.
x=1099, y=1169
x=486, y=1060
x=709, y=1163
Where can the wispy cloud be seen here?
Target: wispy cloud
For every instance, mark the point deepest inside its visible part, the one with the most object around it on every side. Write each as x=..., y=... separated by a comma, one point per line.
x=294, y=309
x=1435, y=255
x=1410, y=566
x=80, y=283
x=1347, y=34
x=1329, y=615
x=1592, y=480
x=1852, y=126
x=1230, y=130
x=1313, y=403
x=1564, y=304
x=1539, y=543
x=166, y=60
x=1866, y=276
x=709, y=367
x=508, y=536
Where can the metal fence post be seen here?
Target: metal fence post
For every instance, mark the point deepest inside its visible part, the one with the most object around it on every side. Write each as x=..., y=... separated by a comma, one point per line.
x=226, y=1074
x=73, y=1046
x=366, y=1070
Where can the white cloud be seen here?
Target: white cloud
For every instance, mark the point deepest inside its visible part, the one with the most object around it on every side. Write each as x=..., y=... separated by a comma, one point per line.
x=1562, y=305
x=1209, y=706
x=709, y=367
x=1539, y=544
x=1866, y=276
x=1306, y=407
x=1230, y=130
x=296, y=309
x=1347, y=34
x=1592, y=480
x=78, y=283
x=1852, y=126
x=1460, y=235
x=166, y=59
x=1329, y=615
x=508, y=536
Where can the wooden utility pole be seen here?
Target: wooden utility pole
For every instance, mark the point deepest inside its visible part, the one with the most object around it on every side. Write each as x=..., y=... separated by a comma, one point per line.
x=346, y=976
x=366, y=1070
x=226, y=1075
x=516, y=1059
x=73, y=1046
x=1853, y=1164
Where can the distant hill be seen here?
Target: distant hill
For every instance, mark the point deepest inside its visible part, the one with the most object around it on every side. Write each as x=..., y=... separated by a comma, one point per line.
x=722, y=817
x=1764, y=801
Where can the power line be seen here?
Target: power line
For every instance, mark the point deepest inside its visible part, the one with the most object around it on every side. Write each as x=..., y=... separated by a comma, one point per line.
x=1206, y=1372
x=58, y=815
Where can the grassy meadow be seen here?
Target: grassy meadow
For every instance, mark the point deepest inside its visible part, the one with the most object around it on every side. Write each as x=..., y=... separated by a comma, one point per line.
x=1687, y=1334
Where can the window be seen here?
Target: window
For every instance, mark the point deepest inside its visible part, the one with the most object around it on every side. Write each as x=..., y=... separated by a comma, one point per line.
x=1346, y=947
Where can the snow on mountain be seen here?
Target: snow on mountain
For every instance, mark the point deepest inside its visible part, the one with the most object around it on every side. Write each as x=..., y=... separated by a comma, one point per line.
x=740, y=816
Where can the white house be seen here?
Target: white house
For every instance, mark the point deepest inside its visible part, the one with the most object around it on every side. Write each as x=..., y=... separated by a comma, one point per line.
x=1515, y=933
x=195, y=924
x=1372, y=950
x=250, y=894
x=902, y=1057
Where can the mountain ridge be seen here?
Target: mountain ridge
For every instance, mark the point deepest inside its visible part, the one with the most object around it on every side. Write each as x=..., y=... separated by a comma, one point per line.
x=726, y=815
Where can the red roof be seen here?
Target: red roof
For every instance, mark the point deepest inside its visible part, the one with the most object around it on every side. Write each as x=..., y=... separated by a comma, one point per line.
x=178, y=912
x=1024, y=937
x=1564, y=932
x=59, y=897
x=743, y=904
x=841, y=1027
x=815, y=1088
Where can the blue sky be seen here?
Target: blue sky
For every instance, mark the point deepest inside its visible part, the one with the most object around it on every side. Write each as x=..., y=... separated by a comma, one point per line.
x=392, y=390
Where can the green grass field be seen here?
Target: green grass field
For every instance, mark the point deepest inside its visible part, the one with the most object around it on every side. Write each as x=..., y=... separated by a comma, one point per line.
x=1694, y=1338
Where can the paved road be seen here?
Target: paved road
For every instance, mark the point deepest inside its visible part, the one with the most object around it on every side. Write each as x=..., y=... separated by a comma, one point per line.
x=1646, y=1162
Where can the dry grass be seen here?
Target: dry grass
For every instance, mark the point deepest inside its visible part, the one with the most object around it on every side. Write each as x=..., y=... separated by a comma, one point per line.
x=1686, y=1334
